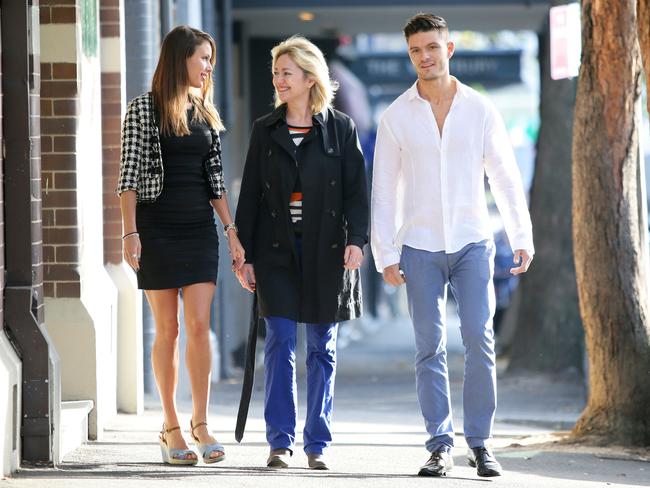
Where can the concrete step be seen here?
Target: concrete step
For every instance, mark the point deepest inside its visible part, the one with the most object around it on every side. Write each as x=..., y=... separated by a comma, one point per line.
x=74, y=425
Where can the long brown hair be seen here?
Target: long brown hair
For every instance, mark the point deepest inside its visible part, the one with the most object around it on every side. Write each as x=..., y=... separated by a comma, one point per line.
x=170, y=83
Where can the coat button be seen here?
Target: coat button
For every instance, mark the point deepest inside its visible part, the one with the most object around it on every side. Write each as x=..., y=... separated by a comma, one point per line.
x=333, y=213
x=273, y=214
x=276, y=244
x=267, y=185
x=330, y=150
x=270, y=152
x=335, y=245
x=332, y=182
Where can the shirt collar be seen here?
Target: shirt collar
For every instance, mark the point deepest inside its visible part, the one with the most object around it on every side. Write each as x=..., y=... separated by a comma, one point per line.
x=461, y=90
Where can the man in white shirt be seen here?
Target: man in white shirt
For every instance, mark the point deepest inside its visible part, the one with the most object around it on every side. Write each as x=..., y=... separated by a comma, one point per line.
x=431, y=228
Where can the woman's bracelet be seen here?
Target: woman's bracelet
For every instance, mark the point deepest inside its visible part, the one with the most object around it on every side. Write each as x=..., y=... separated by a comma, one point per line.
x=135, y=233
x=227, y=227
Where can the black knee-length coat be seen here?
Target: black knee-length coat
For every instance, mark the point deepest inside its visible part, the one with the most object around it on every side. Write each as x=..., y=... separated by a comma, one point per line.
x=315, y=289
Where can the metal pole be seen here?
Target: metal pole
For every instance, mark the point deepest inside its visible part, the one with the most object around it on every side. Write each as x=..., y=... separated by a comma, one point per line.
x=166, y=16
x=221, y=29
x=140, y=63
x=138, y=32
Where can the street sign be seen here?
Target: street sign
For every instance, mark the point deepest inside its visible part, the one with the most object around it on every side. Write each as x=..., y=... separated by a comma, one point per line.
x=492, y=67
x=565, y=41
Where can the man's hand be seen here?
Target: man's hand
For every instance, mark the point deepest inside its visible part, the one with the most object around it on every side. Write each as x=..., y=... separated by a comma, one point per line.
x=523, y=259
x=393, y=275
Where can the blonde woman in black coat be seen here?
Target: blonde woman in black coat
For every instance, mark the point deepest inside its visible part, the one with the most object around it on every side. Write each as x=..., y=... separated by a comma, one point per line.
x=302, y=217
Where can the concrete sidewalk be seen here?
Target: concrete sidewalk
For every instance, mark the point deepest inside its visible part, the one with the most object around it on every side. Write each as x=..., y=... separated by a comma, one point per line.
x=378, y=435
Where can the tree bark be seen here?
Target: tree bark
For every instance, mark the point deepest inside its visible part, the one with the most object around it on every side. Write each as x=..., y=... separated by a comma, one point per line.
x=608, y=226
x=549, y=336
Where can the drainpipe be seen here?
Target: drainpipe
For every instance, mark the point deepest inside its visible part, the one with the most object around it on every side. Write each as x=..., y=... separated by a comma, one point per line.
x=23, y=297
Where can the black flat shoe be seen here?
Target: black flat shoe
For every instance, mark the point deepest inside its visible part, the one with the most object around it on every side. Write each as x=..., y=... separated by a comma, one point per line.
x=484, y=461
x=440, y=462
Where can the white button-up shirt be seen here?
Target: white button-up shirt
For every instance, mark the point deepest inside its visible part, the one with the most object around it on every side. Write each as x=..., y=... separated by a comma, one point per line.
x=428, y=188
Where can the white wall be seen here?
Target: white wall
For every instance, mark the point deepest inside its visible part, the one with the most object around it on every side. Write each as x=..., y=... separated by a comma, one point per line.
x=130, y=373
x=84, y=330
x=10, y=407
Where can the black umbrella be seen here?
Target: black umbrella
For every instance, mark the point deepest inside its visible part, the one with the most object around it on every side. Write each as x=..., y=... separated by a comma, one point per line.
x=249, y=373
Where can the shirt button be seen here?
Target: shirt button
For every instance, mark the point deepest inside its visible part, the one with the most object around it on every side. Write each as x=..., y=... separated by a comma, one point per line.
x=276, y=244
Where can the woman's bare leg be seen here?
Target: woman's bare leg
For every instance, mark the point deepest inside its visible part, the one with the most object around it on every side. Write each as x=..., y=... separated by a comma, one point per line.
x=197, y=299
x=164, y=358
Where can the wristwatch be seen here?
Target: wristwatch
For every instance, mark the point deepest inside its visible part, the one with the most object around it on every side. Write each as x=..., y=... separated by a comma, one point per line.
x=227, y=227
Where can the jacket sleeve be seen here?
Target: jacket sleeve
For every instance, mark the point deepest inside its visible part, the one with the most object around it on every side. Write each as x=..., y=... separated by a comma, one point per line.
x=355, y=189
x=250, y=195
x=215, y=174
x=131, y=153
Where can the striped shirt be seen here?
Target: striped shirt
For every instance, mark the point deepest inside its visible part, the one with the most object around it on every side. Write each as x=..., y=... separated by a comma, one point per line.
x=295, y=202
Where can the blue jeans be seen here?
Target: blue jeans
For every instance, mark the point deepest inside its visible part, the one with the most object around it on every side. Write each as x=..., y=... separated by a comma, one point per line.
x=280, y=384
x=469, y=274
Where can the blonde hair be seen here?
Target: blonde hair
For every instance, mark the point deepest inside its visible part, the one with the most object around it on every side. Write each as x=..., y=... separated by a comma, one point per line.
x=170, y=83
x=311, y=61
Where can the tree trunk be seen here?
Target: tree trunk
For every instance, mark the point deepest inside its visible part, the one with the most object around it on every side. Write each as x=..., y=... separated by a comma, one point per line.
x=608, y=226
x=549, y=336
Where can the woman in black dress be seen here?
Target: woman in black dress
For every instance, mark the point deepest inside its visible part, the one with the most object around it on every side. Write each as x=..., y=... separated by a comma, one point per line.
x=171, y=178
x=303, y=218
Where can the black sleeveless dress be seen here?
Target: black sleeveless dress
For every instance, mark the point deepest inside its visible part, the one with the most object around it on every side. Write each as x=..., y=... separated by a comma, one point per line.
x=180, y=244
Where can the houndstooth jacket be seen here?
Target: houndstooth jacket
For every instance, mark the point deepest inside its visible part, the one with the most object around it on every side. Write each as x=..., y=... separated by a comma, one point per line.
x=141, y=166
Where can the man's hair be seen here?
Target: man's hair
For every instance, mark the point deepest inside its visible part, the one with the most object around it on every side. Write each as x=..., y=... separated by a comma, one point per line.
x=424, y=23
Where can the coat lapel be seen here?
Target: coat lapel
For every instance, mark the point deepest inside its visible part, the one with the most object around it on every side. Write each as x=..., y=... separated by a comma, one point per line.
x=280, y=135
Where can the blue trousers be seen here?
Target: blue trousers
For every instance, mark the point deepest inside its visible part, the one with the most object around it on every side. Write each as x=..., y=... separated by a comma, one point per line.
x=280, y=384
x=468, y=273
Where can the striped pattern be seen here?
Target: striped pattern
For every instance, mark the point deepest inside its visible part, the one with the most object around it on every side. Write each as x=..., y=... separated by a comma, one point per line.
x=295, y=202
x=298, y=133
x=295, y=207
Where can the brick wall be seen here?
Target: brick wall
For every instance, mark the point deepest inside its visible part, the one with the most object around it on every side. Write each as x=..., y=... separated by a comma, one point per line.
x=38, y=269
x=59, y=110
x=112, y=103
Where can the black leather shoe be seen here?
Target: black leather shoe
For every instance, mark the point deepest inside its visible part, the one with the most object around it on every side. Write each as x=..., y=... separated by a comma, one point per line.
x=484, y=461
x=439, y=463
